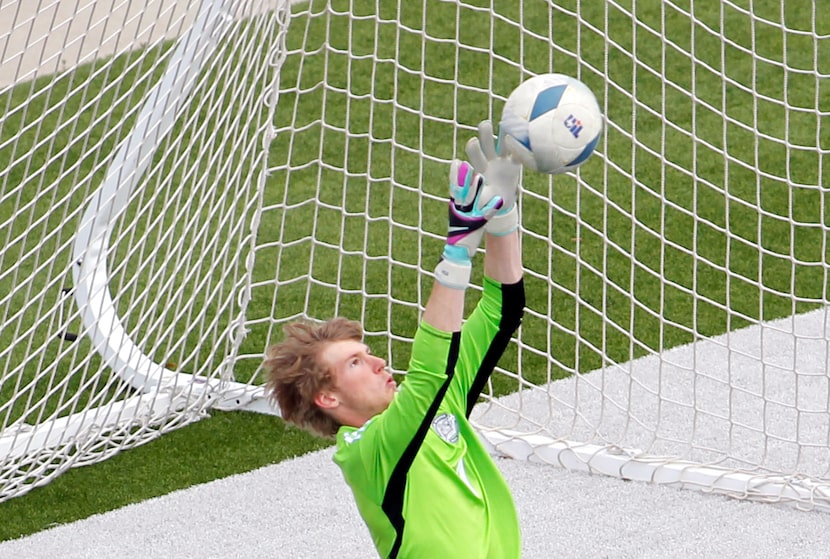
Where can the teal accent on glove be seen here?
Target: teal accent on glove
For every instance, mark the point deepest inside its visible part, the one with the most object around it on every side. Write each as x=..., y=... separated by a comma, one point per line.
x=456, y=253
x=469, y=209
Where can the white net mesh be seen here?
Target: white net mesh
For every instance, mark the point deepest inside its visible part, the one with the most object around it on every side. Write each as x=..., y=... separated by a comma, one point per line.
x=676, y=328
x=131, y=152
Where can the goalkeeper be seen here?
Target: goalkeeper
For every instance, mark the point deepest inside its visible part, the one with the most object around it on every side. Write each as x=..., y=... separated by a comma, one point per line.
x=424, y=484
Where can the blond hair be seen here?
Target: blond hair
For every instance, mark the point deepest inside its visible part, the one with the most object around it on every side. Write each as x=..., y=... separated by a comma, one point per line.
x=295, y=374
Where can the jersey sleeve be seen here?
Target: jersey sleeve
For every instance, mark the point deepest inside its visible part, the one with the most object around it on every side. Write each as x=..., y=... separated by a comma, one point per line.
x=484, y=337
x=386, y=446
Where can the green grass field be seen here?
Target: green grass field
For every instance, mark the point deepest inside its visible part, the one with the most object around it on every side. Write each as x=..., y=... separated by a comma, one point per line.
x=701, y=215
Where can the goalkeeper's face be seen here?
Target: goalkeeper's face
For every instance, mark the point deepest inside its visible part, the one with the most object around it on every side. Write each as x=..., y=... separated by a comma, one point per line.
x=361, y=387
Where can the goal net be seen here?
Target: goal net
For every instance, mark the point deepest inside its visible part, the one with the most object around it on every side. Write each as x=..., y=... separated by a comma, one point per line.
x=180, y=180
x=132, y=163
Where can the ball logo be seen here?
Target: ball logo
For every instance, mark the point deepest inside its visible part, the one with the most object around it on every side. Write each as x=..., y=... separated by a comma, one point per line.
x=574, y=125
x=556, y=118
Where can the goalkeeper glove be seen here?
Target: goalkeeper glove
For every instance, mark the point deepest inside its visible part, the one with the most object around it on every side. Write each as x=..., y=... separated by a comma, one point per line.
x=469, y=212
x=502, y=173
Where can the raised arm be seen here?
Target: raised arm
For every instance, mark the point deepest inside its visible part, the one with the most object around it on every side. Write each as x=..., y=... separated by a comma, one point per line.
x=435, y=350
x=488, y=330
x=502, y=175
x=470, y=208
x=502, y=263
x=503, y=258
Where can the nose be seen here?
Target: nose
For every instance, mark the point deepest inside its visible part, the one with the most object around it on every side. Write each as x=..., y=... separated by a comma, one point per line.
x=380, y=364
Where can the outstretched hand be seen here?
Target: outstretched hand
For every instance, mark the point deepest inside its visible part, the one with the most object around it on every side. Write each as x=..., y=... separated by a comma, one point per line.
x=470, y=208
x=501, y=165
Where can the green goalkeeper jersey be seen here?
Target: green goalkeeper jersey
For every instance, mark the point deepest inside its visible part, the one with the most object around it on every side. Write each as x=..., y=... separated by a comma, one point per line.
x=423, y=481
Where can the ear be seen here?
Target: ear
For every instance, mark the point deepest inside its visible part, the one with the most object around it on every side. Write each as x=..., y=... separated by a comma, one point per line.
x=326, y=400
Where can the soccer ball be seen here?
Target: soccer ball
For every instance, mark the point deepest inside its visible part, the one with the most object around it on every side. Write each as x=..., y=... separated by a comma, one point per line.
x=557, y=118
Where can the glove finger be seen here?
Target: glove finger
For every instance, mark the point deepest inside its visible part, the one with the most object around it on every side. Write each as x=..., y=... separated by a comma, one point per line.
x=453, y=177
x=486, y=139
x=461, y=178
x=518, y=152
x=476, y=155
x=491, y=207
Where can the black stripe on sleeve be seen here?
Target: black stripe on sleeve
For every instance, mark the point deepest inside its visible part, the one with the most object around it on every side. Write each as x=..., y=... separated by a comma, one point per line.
x=393, y=498
x=512, y=310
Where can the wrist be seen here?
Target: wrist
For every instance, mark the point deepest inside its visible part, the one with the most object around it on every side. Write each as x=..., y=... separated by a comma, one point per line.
x=502, y=224
x=455, y=268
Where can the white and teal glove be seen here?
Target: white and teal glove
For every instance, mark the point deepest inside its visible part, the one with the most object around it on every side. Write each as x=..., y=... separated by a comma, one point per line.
x=502, y=174
x=469, y=212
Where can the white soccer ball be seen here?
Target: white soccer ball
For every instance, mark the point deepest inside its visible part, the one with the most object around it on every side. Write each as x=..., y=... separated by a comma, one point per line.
x=557, y=118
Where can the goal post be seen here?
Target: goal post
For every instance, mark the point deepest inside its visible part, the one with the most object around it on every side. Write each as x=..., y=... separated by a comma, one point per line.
x=132, y=170
x=216, y=169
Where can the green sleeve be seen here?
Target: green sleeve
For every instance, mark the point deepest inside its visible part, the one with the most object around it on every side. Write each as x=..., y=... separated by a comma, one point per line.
x=386, y=439
x=484, y=337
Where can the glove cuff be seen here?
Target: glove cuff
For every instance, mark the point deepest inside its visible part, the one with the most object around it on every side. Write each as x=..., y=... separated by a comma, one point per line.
x=503, y=224
x=454, y=268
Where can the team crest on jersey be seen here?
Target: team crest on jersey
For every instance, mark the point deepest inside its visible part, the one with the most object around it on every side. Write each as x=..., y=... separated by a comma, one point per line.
x=446, y=426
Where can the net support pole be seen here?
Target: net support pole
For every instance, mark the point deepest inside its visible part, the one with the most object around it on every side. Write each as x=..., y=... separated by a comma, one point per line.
x=90, y=251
